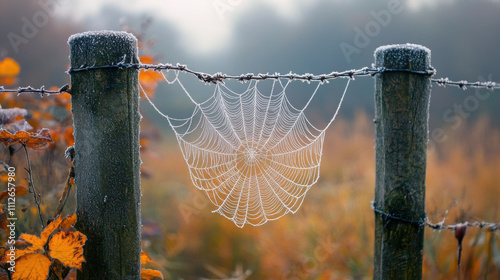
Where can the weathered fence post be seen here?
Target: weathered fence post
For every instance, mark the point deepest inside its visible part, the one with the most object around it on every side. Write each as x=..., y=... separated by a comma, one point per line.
x=402, y=110
x=106, y=121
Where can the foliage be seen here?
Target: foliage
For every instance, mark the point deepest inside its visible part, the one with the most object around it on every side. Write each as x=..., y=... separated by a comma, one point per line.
x=58, y=252
x=38, y=141
x=37, y=256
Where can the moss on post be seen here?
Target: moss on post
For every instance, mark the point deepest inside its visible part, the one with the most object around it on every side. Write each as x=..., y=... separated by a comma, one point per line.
x=401, y=117
x=105, y=106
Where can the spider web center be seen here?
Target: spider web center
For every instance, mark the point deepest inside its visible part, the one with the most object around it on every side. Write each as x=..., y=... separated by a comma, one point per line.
x=251, y=156
x=251, y=161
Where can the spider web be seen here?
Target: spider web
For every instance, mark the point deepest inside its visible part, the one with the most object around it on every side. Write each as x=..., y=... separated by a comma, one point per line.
x=254, y=154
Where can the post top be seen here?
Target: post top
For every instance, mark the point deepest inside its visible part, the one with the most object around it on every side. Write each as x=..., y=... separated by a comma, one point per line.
x=97, y=48
x=403, y=56
x=117, y=35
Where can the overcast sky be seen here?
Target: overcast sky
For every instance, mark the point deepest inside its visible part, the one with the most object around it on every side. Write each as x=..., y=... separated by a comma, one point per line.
x=204, y=25
x=259, y=36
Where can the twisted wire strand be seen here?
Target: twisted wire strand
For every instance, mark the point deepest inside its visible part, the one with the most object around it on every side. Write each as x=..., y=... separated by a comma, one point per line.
x=436, y=226
x=464, y=84
x=220, y=77
x=42, y=91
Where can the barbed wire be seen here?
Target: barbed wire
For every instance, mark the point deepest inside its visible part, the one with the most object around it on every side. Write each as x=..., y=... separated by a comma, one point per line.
x=42, y=91
x=220, y=77
x=441, y=226
x=436, y=226
x=464, y=84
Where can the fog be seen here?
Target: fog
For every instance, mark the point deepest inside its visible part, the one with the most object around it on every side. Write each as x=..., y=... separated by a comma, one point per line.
x=238, y=37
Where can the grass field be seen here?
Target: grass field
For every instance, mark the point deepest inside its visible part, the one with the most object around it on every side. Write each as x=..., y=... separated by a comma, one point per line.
x=331, y=236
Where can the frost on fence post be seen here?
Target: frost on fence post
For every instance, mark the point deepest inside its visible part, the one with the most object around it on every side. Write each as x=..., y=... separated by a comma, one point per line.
x=402, y=110
x=106, y=120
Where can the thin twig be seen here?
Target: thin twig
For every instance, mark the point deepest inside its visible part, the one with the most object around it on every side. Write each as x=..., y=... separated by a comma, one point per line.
x=69, y=184
x=32, y=185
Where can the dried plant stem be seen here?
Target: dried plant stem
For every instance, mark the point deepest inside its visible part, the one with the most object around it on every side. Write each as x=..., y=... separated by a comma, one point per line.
x=32, y=186
x=66, y=192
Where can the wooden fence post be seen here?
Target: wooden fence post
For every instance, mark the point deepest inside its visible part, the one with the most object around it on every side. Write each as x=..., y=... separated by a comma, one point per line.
x=401, y=121
x=105, y=106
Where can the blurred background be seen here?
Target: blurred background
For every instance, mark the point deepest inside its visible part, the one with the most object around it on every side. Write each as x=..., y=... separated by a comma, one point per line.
x=331, y=236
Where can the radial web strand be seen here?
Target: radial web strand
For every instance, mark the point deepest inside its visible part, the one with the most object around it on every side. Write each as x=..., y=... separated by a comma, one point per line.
x=254, y=154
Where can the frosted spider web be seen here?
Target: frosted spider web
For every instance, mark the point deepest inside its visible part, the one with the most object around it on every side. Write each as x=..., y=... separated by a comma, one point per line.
x=255, y=155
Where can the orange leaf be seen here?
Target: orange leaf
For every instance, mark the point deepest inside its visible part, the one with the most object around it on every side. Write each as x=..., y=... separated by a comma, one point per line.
x=9, y=69
x=17, y=253
x=68, y=248
x=8, y=138
x=20, y=250
x=32, y=267
x=150, y=274
x=36, y=243
x=20, y=191
x=44, y=236
x=36, y=141
x=149, y=78
x=146, y=59
x=69, y=221
x=40, y=140
x=145, y=259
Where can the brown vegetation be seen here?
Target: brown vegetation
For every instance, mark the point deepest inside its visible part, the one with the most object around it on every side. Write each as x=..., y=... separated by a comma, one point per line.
x=331, y=236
